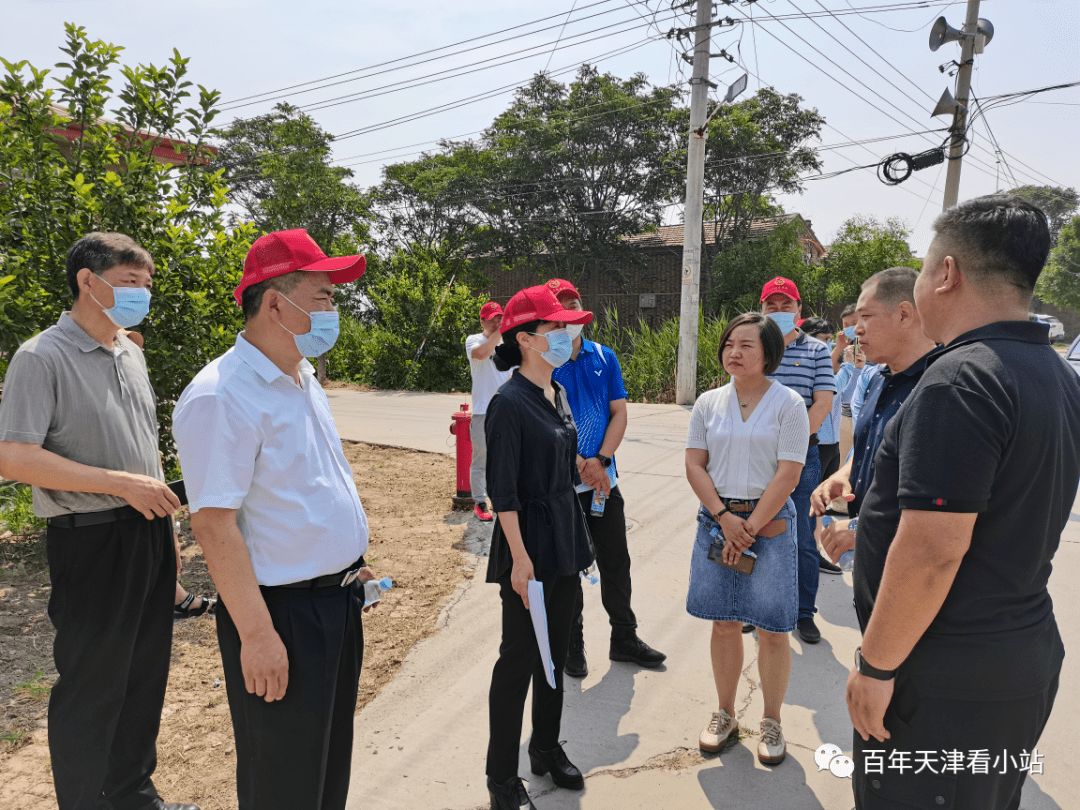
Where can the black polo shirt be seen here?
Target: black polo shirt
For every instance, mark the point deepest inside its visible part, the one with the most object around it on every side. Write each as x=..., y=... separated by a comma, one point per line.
x=992, y=428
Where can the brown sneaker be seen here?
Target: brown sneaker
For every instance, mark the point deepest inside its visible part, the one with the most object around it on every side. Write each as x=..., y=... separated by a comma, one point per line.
x=771, y=749
x=721, y=728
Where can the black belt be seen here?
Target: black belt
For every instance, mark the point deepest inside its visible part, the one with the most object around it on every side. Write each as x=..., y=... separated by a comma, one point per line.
x=342, y=579
x=79, y=520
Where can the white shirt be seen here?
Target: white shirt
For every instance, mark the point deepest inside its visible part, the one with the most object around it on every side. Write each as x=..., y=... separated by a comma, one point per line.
x=249, y=439
x=744, y=456
x=486, y=379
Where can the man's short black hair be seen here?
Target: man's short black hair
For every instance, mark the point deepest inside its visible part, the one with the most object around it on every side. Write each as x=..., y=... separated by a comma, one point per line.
x=99, y=251
x=997, y=238
x=893, y=286
x=817, y=326
x=251, y=298
x=849, y=310
x=772, y=339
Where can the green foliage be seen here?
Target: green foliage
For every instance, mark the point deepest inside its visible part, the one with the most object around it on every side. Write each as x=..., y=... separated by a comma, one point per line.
x=1059, y=283
x=648, y=356
x=404, y=295
x=744, y=266
x=1059, y=204
x=863, y=246
x=17, y=508
x=278, y=170
x=52, y=191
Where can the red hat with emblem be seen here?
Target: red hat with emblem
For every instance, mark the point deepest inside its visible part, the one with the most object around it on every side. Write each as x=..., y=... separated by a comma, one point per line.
x=784, y=286
x=284, y=252
x=490, y=310
x=539, y=304
x=560, y=286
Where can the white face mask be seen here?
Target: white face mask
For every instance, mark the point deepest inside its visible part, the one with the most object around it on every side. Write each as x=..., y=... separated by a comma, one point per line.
x=574, y=330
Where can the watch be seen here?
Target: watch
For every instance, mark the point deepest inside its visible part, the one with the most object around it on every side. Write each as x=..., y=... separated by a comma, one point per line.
x=720, y=514
x=863, y=668
x=605, y=460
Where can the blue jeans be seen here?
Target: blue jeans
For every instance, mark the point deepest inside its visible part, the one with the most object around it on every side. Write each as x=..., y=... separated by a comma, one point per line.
x=808, y=553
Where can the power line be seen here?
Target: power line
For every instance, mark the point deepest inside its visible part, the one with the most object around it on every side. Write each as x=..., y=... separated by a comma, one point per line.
x=546, y=66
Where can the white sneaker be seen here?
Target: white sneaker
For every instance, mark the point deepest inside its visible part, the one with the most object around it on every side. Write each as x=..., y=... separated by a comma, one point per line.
x=721, y=727
x=771, y=748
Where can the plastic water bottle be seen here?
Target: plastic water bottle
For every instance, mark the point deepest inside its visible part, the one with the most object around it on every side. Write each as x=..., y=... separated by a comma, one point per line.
x=373, y=590
x=591, y=575
x=598, y=500
x=847, y=559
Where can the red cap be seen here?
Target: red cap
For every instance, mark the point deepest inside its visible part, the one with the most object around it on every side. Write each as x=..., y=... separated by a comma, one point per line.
x=784, y=286
x=539, y=304
x=560, y=286
x=284, y=252
x=490, y=310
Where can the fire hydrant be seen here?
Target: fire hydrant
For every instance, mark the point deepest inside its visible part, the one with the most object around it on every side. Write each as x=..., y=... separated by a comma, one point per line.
x=460, y=428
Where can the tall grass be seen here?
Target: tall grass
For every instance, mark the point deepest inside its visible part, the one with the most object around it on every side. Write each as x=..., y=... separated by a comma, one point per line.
x=649, y=356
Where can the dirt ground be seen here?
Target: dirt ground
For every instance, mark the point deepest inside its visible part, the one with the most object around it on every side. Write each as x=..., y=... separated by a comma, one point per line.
x=414, y=535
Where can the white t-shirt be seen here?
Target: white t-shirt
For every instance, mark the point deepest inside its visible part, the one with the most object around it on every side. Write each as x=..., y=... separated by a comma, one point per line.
x=743, y=456
x=486, y=379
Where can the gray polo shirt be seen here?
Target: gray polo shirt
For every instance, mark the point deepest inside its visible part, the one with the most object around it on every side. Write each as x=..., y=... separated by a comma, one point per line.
x=71, y=395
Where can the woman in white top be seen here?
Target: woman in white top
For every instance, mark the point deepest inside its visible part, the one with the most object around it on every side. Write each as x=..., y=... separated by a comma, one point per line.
x=744, y=455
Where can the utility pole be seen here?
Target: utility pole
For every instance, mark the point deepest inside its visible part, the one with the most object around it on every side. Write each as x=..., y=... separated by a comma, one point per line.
x=963, y=87
x=686, y=380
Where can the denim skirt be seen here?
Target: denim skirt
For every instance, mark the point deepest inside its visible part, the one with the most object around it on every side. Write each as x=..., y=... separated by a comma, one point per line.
x=768, y=598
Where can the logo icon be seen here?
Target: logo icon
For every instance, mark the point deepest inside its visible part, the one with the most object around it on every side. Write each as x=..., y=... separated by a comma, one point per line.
x=830, y=757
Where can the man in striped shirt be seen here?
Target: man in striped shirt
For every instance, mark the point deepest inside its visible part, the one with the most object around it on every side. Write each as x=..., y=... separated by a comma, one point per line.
x=806, y=369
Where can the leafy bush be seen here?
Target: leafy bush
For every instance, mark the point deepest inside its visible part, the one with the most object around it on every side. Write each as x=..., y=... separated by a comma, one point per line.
x=53, y=190
x=649, y=356
x=17, y=508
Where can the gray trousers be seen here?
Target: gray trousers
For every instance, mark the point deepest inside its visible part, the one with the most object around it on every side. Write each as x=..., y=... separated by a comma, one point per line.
x=478, y=470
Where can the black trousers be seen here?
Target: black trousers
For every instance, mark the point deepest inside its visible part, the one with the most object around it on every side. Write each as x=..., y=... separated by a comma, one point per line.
x=111, y=604
x=613, y=562
x=1002, y=729
x=830, y=459
x=296, y=753
x=518, y=665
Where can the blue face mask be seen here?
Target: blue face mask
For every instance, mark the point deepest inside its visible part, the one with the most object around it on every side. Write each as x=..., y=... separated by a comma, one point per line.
x=323, y=333
x=849, y=332
x=785, y=320
x=560, y=347
x=130, y=305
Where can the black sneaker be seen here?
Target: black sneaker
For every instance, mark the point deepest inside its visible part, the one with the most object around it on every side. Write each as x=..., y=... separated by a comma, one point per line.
x=576, y=666
x=827, y=567
x=748, y=628
x=635, y=651
x=808, y=631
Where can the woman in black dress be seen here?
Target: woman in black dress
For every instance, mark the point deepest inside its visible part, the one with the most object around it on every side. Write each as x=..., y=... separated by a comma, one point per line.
x=540, y=534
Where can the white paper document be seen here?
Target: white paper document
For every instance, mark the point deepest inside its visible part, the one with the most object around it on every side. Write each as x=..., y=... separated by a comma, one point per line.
x=539, y=619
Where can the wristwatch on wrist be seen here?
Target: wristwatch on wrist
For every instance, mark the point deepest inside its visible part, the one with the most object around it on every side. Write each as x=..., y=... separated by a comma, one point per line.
x=863, y=668
x=719, y=514
x=605, y=460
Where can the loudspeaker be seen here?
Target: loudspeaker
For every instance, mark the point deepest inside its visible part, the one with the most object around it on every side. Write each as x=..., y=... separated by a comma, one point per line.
x=947, y=105
x=942, y=32
x=984, y=35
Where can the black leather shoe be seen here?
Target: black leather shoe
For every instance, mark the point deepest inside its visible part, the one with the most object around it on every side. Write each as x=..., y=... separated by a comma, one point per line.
x=828, y=567
x=576, y=666
x=635, y=651
x=178, y=806
x=510, y=795
x=808, y=631
x=563, y=772
x=748, y=628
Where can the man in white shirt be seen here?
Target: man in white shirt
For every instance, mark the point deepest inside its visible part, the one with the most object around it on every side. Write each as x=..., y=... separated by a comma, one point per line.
x=275, y=509
x=486, y=380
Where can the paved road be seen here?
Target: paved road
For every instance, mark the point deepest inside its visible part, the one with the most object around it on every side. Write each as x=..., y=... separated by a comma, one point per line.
x=421, y=743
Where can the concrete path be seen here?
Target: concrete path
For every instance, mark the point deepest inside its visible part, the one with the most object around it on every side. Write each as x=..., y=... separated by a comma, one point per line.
x=633, y=732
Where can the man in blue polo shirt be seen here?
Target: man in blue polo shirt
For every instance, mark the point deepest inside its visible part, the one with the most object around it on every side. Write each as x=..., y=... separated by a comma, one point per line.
x=890, y=333
x=594, y=386
x=806, y=368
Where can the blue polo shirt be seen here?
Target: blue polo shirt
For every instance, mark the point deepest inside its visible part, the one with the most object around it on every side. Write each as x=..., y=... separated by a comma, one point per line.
x=885, y=394
x=806, y=368
x=592, y=383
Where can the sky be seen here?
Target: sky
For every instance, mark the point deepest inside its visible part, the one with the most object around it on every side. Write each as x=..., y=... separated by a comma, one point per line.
x=871, y=75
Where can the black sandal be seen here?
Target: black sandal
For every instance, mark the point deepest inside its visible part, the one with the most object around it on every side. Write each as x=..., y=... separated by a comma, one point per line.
x=185, y=611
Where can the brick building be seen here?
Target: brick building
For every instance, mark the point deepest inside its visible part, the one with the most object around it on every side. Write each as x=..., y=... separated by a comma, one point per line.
x=647, y=290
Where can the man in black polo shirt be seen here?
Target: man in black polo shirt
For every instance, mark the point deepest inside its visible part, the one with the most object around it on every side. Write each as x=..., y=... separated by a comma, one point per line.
x=890, y=333
x=973, y=484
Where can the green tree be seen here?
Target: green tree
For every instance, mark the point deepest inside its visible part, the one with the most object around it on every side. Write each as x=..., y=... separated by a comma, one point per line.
x=66, y=170
x=1059, y=283
x=1059, y=204
x=743, y=267
x=862, y=247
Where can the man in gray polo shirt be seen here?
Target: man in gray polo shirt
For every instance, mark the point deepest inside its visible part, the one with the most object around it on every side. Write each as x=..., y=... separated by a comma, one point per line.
x=78, y=423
